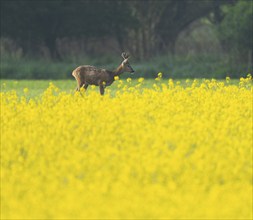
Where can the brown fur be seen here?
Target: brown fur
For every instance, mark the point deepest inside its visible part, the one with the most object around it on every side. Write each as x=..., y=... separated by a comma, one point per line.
x=89, y=75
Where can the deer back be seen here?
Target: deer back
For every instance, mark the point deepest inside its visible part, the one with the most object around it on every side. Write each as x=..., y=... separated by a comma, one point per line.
x=92, y=75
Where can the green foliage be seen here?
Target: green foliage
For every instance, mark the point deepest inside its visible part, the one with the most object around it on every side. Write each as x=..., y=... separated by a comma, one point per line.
x=35, y=69
x=235, y=31
x=144, y=28
x=198, y=66
x=38, y=23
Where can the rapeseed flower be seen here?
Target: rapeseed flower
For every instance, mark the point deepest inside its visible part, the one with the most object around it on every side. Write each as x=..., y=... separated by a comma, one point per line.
x=170, y=151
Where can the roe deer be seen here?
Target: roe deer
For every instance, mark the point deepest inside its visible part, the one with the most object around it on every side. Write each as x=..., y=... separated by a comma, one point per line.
x=90, y=75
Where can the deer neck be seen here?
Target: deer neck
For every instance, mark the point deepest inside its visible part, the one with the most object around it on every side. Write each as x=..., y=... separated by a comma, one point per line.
x=118, y=71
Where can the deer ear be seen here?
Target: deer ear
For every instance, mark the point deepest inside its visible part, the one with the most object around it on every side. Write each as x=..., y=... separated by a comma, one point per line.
x=125, y=55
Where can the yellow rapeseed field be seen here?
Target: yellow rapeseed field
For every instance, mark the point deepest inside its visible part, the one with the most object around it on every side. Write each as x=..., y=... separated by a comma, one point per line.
x=175, y=150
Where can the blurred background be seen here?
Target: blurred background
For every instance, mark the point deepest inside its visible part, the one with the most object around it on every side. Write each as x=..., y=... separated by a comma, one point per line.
x=182, y=38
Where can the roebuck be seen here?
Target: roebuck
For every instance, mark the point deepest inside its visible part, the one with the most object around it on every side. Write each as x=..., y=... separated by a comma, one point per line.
x=89, y=75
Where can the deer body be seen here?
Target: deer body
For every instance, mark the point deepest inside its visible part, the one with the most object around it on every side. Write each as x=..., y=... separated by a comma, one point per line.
x=93, y=76
x=89, y=75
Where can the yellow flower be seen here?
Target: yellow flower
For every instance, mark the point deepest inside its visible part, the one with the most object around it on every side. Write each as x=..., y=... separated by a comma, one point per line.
x=150, y=145
x=249, y=76
x=141, y=79
x=160, y=75
x=129, y=80
x=116, y=78
x=25, y=90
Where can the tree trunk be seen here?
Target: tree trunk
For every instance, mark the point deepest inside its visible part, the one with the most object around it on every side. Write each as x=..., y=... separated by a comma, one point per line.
x=52, y=47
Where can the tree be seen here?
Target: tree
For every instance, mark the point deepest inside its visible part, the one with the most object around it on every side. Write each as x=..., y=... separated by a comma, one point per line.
x=235, y=30
x=33, y=22
x=162, y=21
x=144, y=27
x=143, y=40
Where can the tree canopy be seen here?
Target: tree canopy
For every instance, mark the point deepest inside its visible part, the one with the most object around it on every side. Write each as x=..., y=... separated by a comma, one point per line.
x=235, y=30
x=143, y=27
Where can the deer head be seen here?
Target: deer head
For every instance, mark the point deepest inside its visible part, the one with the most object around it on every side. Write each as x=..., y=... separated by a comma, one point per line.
x=125, y=64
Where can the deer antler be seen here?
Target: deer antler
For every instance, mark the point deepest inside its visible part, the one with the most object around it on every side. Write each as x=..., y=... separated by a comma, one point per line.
x=125, y=55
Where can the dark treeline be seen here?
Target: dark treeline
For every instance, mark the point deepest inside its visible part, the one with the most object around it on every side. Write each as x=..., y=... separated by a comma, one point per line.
x=145, y=28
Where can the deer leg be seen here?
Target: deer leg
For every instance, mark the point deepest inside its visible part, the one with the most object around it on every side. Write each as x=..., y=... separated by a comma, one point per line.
x=80, y=86
x=78, y=83
x=85, y=86
x=102, y=89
